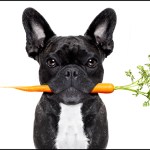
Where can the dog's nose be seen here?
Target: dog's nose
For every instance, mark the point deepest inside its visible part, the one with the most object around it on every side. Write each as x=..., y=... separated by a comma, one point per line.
x=71, y=73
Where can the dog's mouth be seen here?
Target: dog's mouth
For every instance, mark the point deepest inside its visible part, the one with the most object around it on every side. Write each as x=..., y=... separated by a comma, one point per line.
x=71, y=96
x=71, y=89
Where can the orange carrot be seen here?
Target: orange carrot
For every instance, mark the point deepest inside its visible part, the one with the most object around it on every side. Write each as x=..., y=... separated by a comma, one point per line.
x=36, y=88
x=99, y=88
x=103, y=88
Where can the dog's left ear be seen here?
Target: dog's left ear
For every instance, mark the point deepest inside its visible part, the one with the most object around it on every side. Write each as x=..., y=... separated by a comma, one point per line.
x=37, y=32
x=101, y=30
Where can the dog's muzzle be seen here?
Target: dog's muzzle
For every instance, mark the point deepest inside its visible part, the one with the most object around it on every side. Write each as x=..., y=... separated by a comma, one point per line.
x=71, y=82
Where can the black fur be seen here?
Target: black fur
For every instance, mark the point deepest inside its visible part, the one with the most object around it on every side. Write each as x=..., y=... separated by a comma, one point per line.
x=70, y=76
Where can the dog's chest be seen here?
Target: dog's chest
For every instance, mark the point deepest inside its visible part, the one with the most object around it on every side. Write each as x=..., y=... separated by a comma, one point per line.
x=71, y=128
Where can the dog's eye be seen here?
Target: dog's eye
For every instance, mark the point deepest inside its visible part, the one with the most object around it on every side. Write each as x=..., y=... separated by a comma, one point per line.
x=51, y=63
x=92, y=62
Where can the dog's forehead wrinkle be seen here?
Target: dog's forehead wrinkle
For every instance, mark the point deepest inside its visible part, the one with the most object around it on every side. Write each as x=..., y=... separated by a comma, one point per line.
x=61, y=43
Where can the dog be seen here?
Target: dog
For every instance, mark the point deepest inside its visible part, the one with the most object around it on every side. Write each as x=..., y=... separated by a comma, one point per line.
x=70, y=117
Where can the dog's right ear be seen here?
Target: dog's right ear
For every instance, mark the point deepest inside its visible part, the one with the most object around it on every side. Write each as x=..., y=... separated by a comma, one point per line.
x=37, y=32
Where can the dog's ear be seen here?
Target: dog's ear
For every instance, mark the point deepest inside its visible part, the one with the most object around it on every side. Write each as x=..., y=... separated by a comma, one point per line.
x=37, y=32
x=101, y=30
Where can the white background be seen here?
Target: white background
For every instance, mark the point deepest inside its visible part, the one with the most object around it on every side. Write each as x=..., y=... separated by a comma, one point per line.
x=129, y=121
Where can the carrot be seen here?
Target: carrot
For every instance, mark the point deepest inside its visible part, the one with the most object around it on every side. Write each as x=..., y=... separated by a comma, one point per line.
x=99, y=88
x=36, y=88
x=103, y=88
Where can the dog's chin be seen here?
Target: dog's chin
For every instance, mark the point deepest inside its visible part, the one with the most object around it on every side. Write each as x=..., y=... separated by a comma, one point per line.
x=71, y=96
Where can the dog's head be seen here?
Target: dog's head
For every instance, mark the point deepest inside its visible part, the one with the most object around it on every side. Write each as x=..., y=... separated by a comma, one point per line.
x=71, y=65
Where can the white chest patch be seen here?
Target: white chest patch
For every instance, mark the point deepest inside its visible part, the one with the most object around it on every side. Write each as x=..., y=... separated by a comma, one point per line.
x=70, y=128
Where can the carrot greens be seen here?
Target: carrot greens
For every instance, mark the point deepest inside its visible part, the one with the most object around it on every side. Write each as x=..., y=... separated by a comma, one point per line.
x=140, y=86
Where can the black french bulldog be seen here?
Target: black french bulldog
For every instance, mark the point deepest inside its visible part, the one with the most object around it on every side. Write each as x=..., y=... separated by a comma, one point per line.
x=70, y=117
